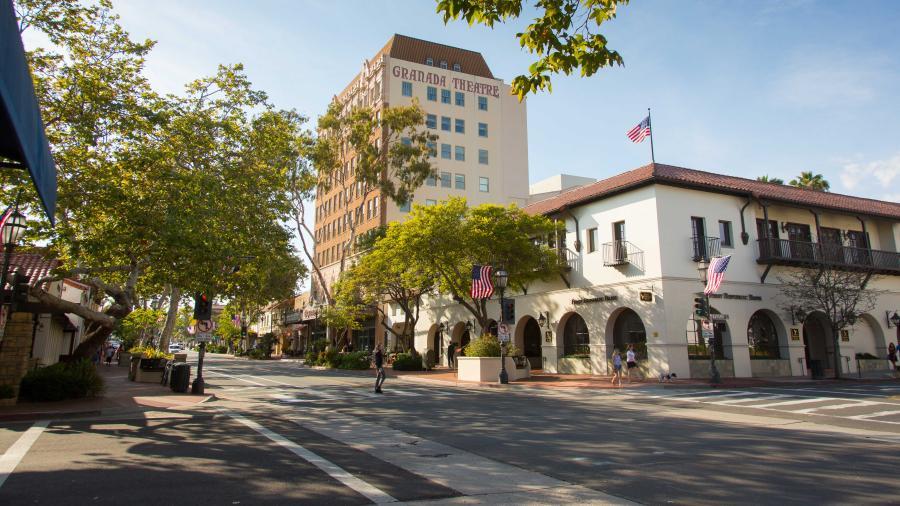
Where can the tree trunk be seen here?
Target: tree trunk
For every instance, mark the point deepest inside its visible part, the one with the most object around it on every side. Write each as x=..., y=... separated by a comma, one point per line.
x=837, y=352
x=171, y=318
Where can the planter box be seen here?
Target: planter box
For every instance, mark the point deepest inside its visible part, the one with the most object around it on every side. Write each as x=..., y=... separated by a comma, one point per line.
x=873, y=364
x=147, y=370
x=768, y=368
x=700, y=368
x=487, y=369
x=124, y=359
x=572, y=365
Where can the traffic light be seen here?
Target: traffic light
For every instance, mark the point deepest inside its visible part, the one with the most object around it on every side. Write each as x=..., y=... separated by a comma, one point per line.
x=700, y=307
x=20, y=287
x=508, y=310
x=202, y=307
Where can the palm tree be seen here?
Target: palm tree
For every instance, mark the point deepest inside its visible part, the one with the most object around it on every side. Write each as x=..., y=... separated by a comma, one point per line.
x=811, y=182
x=767, y=179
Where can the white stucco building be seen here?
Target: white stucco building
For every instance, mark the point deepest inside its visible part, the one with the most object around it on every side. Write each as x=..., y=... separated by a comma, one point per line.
x=632, y=245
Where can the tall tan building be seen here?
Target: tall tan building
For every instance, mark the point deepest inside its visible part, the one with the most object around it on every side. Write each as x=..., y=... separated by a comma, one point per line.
x=481, y=152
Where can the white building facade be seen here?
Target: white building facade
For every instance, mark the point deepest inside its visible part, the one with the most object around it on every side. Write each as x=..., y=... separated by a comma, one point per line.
x=632, y=246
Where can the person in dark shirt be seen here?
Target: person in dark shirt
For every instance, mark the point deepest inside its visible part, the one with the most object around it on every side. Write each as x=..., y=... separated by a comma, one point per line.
x=451, y=354
x=379, y=369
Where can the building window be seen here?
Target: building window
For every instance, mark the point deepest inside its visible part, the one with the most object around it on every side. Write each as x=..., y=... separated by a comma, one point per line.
x=445, y=96
x=430, y=202
x=460, y=99
x=432, y=93
x=484, y=184
x=457, y=68
x=431, y=180
x=762, y=337
x=592, y=240
x=431, y=121
x=444, y=64
x=460, y=126
x=725, y=234
x=429, y=62
x=482, y=103
x=407, y=89
x=460, y=181
x=445, y=123
x=482, y=130
x=376, y=206
x=404, y=207
x=576, y=340
x=445, y=151
x=432, y=148
x=483, y=156
x=460, y=153
x=445, y=180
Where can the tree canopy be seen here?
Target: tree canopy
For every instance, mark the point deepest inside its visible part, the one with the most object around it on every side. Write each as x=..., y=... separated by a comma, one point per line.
x=811, y=181
x=767, y=179
x=564, y=36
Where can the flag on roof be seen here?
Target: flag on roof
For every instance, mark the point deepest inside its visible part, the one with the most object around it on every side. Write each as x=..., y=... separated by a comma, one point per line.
x=640, y=131
x=715, y=273
x=482, y=286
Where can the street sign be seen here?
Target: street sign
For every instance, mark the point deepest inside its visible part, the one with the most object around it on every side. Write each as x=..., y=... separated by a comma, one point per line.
x=203, y=337
x=718, y=316
x=204, y=326
x=707, y=329
x=503, y=332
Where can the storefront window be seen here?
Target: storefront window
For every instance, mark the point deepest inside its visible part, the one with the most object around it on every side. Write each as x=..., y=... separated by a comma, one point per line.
x=629, y=330
x=762, y=337
x=576, y=340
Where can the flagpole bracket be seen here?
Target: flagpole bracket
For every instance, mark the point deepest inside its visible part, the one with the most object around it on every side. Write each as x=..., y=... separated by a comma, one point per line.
x=762, y=279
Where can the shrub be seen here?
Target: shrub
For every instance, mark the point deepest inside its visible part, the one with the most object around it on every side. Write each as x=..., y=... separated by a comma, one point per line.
x=483, y=346
x=358, y=360
x=329, y=358
x=257, y=354
x=411, y=361
x=73, y=380
x=429, y=360
x=311, y=358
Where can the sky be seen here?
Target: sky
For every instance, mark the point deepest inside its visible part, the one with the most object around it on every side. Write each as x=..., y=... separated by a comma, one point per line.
x=744, y=88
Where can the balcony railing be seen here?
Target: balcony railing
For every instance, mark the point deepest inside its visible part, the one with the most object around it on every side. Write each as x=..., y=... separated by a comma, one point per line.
x=703, y=248
x=621, y=253
x=800, y=253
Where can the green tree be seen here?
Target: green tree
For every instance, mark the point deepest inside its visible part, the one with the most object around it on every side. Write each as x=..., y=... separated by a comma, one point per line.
x=564, y=35
x=154, y=192
x=487, y=234
x=811, y=181
x=140, y=326
x=767, y=179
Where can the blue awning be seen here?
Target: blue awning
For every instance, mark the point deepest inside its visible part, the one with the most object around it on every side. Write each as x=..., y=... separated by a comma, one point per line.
x=22, y=138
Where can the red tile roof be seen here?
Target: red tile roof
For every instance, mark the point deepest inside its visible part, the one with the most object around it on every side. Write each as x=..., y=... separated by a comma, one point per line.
x=31, y=263
x=657, y=173
x=415, y=50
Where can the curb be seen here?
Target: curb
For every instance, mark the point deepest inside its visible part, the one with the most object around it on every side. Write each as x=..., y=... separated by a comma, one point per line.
x=47, y=415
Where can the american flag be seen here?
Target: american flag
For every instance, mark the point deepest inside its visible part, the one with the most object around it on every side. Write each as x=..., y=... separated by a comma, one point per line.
x=640, y=131
x=482, y=286
x=5, y=216
x=715, y=274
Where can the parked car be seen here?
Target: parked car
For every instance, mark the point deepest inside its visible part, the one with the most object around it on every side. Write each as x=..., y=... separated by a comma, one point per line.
x=175, y=348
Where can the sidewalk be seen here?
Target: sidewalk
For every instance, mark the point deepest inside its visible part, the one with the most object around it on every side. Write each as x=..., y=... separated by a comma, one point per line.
x=120, y=397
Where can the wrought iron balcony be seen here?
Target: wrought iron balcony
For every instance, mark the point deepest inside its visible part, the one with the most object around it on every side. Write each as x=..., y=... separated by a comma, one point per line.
x=803, y=254
x=704, y=247
x=621, y=253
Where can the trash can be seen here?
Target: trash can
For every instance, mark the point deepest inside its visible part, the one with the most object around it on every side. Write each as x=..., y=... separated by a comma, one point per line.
x=181, y=377
x=815, y=368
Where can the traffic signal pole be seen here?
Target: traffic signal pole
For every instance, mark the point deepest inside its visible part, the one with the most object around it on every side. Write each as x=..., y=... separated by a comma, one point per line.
x=714, y=377
x=197, y=387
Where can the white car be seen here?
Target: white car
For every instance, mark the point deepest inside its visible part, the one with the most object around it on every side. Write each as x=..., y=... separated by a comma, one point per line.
x=174, y=348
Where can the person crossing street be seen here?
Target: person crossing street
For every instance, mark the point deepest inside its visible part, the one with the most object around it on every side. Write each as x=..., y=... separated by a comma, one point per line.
x=379, y=369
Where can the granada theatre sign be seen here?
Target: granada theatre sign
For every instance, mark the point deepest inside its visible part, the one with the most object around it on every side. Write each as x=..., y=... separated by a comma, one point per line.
x=438, y=80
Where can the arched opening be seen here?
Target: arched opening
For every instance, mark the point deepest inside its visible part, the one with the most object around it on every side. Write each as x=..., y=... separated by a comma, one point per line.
x=818, y=344
x=436, y=342
x=762, y=337
x=628, y=329
x=576, y=339
x=529, y=335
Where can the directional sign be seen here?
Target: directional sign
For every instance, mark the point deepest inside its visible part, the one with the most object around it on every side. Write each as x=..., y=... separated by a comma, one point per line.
x=203, y=337
x=503, y=332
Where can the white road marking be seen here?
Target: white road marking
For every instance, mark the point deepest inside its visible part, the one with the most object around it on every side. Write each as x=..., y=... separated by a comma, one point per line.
x=748, y=399
x=876, y=415
x=853, y=404
x=795, y=401
x=229, y=376
x=17, y=451
x=374, y=494
x=704, y=397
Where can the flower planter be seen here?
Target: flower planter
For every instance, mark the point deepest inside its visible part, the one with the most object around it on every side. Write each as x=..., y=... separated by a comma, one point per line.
x=149, y=370
x=487, y=369
x=124, y=359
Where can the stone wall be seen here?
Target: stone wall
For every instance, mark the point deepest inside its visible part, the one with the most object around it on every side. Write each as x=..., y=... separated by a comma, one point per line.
x=15, y=352
x=770, y=368
x=574, y=366
x=700, y=368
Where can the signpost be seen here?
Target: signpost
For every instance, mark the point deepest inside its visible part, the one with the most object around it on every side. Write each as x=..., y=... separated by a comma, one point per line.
x=503, y=332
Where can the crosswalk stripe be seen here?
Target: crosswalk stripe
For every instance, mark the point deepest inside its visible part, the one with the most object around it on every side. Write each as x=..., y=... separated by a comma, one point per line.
x=795, y=401
x=838, y=406
x=748, y=399
x=875, y=415
x=704, y=397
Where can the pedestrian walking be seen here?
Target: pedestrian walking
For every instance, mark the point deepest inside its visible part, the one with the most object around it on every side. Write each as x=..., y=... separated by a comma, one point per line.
x=379, y=369
x=451, y=354
x=892, y=356
x=617, y=367
x=110, y=351
x=630, y=360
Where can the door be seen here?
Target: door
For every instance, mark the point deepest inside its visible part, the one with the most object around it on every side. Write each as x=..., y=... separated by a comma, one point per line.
x=859, y=247
x=532, y=342
x=800, y=238
x=769, y=241
x=698, y=236
x=619, y=238
x=831, y=244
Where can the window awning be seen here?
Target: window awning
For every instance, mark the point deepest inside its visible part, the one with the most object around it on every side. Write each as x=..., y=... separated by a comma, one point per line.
x=22, y=138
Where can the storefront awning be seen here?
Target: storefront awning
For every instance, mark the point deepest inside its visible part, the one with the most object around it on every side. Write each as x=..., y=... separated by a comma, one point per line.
x=22, y=139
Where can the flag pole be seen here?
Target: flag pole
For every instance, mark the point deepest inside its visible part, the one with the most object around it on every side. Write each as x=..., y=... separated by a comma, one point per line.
x=650, y=124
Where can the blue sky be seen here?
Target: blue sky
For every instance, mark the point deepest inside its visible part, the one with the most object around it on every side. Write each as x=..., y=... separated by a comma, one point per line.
x=738, y=87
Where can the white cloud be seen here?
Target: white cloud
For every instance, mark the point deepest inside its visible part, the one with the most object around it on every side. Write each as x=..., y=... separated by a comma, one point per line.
x=882, y=172
x=820, y=78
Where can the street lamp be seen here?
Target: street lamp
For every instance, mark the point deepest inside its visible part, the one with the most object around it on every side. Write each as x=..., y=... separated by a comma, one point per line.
x=895, y=319
x=714, y=377
x=11, y=232
x=541, y=319
x=502, y=279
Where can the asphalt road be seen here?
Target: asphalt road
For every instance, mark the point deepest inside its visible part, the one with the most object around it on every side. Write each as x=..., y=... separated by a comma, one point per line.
x=281, y=433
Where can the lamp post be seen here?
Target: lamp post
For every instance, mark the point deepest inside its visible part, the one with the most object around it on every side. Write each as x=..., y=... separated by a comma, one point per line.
x=502, y=279
x=895, y=319
x=11, y=232
x=714, y=377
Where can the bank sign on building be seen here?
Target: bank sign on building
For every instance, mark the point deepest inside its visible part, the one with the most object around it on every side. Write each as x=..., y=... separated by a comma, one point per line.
x=632, y=246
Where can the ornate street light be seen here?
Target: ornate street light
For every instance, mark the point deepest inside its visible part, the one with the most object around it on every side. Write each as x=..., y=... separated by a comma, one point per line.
x=542, y=320
x=502, y=279
x=11, y=232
